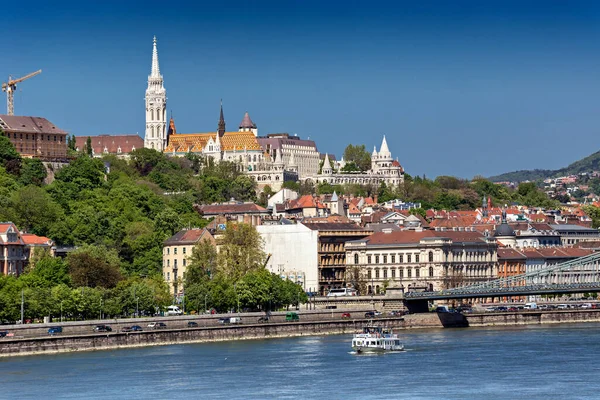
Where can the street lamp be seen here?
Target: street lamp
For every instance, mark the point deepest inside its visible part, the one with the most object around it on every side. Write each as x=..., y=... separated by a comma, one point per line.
x=137, y=307
x=61, y=302
x=205, y=306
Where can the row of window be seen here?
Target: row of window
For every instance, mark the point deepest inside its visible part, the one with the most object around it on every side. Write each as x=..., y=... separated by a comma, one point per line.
x=392, y=258
x=175, y=250
x=384, y=271
x=175, y=263
x=33, y=137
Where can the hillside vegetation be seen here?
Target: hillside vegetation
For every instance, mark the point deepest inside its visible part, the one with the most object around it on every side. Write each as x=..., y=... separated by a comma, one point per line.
x=587, y=164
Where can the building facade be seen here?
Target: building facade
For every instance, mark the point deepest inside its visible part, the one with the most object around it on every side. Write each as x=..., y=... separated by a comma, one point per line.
x=156, y=107
x=295, y=152
x=176, y=253
x=383, y=169
x=294, y=253
x=13, y=257
x=119, y=145
x=35, y=137
x=430, y=260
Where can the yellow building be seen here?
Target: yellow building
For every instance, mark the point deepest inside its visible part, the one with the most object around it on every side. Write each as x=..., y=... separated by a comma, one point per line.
x=177, y=251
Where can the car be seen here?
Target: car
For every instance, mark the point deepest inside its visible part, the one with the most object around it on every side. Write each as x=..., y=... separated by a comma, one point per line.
x=464, y=309
x=513, y=309
x=346, y=315
x=502, y=308
x=192, y=324
x=102, y=328
x=292, y=317
x=224, y=320
x=53, y=330
x=263, y=319
x=134, y=328
x=157, y=325
x=372, y=314
x=3, y=333
x=586, y=305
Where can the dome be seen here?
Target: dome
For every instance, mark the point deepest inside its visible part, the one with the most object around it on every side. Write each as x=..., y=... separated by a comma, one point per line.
x=504, y=230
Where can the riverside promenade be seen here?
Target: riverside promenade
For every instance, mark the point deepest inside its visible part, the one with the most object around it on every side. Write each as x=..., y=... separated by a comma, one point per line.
x=79, y=336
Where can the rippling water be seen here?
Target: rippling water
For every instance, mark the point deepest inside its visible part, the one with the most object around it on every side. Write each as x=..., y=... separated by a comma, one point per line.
x=536, y=362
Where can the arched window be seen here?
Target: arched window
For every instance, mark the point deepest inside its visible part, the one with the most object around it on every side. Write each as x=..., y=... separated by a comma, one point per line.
x=255, y=158
x=152, y=115
x=152, y=132
x=417, y=272
x=430, y=271
x=356, y=259
x=431, y=256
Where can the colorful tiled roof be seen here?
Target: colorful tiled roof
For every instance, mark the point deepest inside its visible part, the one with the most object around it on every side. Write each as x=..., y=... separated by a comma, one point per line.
x=195, y=142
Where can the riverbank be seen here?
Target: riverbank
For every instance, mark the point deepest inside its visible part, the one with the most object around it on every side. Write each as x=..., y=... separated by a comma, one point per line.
x=76, y=336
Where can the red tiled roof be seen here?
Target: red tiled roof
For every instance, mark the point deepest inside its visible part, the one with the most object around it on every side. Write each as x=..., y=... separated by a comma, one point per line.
x=126, y=143
x=242, y=208
x=416, y=236
x=188, y=236
x=510, y=254
x=457, y=222
x=31, y=239
x=18, y=123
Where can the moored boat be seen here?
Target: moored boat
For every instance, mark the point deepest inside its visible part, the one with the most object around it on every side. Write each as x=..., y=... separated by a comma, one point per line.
x=376, y=339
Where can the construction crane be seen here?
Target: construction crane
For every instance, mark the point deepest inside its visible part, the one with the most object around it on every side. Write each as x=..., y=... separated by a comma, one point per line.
x=10, y=87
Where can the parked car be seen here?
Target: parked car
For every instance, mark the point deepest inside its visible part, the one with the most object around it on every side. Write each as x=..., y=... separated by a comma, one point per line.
x=586, y=305
x=513, y=309
x=263, y=319
x=3, y=333
x=134, y=328
x=157, y=325
x=292, y=317
x=53, y=330
x=346, y=315
x=192, y=324
x=174, y=310
x=102, y=328
x=502, y=308
x=224, y=320
x=372, y=314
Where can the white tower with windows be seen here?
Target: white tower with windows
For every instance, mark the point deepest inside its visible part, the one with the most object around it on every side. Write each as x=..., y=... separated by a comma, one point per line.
x=156, y=107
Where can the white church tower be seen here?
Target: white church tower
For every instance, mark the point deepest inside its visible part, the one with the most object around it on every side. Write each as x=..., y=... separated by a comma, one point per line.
x=156, y=107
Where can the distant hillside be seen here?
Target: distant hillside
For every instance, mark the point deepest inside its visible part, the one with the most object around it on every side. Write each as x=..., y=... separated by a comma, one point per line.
x=587, y=164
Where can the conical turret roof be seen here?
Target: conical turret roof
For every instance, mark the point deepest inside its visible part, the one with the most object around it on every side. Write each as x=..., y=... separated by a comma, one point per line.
x=247, y=122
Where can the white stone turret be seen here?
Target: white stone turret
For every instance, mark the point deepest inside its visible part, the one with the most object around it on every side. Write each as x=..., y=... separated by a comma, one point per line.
x=326, y=170
x=156, y=107
x=384, y=151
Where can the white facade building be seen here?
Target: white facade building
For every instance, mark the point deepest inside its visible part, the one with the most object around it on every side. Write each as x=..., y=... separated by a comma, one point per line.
x=294, y=253
x=156, y=107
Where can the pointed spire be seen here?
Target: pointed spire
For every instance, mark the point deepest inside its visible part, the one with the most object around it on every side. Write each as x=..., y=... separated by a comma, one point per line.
x=247, y=122
x=172, y=130
x=278, y=159
x=384, y=147
x=155, y=73
x=218, y=141
x=374, y=151
x=334, y=196
x=221, y=126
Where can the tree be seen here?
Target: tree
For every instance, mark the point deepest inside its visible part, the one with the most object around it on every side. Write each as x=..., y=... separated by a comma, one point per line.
x=89, y=150
x=32, y=172
x=594, y=213
x=34, y=210
x=7, y=149
x=359, y=156
x=292, y=185
x=202, y=263
x=241, y=251
x=357, y=278
x=350, y=167
x=93, y=266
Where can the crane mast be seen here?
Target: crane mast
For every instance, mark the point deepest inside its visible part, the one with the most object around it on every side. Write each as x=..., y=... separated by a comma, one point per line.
x=11, y=86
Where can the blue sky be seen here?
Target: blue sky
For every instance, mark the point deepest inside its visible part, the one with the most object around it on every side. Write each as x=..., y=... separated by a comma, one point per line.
x=459, y=88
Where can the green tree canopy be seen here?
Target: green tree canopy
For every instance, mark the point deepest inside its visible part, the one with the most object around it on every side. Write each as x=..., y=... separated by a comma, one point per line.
x=359, y=156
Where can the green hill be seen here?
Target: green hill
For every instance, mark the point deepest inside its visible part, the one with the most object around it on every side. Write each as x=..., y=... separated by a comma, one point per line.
x=587, y=164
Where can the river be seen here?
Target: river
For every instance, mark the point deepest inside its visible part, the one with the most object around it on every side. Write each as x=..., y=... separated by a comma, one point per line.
x=529, y=362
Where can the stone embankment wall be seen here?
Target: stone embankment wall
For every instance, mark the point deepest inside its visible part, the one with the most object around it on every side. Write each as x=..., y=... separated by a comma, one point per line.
x=533, y=317
x=114, y=340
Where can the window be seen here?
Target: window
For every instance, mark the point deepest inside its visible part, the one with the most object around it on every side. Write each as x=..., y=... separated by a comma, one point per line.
x=385, y=258
x=369, y=274
x=400, y=258
x=416, y=258
x=184, y=250
x=401, y=272
x=385, y=273
x=377, y=259
x=174, y=264
x=168, y=263
x=356, y=259
x=168, y=276
x=377, y=273
x=417, y=272
x=431, y=256
x=393, y=273
x=168, y=251
x=408, y=272
x=368, y=259
x=408, y=258
x=175, y=250
x=393, y=259
x=431, y=271
x=184, y=262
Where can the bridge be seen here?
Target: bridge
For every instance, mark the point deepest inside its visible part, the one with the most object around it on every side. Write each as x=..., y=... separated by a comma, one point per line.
x=580, y=275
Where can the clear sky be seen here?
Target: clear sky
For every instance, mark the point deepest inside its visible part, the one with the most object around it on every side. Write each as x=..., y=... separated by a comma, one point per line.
x=458, y=87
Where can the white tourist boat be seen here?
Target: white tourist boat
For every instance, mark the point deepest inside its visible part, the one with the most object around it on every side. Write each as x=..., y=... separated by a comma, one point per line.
x=376, y=339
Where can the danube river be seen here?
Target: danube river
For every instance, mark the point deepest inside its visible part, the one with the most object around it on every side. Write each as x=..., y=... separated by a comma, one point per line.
x=535, y=362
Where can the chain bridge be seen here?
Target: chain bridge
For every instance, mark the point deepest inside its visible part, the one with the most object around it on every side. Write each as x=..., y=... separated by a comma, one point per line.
x=580, y=275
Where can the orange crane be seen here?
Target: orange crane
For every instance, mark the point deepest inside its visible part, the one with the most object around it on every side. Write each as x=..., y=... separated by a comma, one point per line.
x=10, y=87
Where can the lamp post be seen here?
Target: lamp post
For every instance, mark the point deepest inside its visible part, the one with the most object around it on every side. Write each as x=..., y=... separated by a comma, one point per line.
x=205, y=306
x=137, y=307
x=100, y=308
x=61, y=302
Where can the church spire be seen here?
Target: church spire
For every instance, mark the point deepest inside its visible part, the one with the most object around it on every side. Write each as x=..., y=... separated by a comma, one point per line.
x=155, y=73
x=221, y=127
